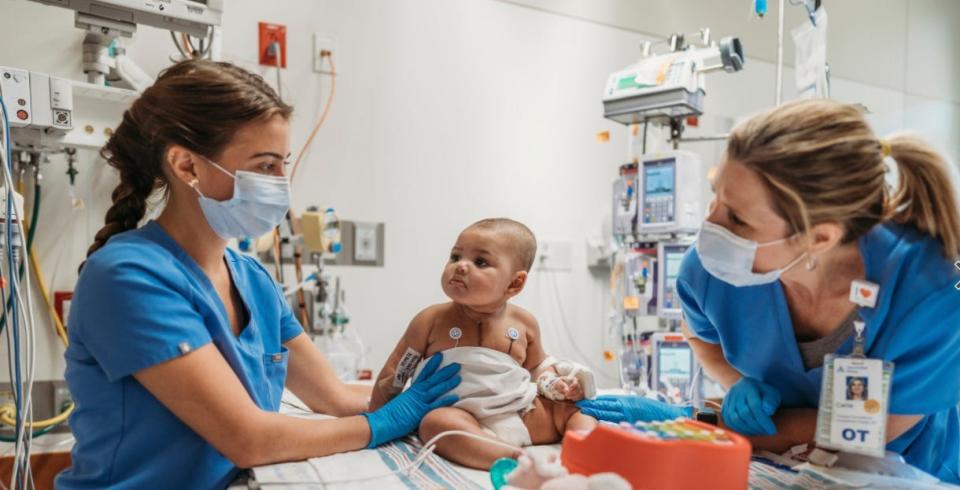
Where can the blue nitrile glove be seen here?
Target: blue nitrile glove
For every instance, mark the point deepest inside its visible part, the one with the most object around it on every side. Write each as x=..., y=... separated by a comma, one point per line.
x=402, y=415
x=631, y=408
x=748, y=406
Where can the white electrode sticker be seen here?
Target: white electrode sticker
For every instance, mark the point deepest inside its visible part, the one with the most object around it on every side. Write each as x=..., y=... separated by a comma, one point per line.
x=406, y=367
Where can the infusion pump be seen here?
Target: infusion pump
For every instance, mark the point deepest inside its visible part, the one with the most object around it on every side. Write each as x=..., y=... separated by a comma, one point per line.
x=669, y=193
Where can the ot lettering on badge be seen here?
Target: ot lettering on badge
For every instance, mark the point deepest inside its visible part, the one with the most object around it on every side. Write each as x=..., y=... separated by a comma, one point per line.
x=851, y=435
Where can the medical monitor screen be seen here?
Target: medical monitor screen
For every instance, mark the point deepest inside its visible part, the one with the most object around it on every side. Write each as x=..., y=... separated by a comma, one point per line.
x=659, y=186
x=672, y=257
x=675, y=368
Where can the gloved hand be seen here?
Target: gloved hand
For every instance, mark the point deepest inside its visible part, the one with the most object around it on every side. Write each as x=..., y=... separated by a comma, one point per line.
x=631, y=408
x=402, y=415
x=748, y=406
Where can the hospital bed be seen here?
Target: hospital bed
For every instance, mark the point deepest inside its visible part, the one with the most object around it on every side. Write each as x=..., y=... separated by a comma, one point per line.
x=381, y=468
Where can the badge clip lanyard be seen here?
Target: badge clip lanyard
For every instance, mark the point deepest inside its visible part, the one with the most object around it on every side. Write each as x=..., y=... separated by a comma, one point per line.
x=859, y=342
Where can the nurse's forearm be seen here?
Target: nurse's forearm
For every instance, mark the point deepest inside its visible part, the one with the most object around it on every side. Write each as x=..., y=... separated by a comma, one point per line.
x=794, y=426
x=281, y=438
x=799, y=425
x=358, y=399
x=710, y=356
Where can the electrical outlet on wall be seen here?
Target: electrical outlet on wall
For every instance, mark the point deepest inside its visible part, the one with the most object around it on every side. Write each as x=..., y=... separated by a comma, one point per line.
x=269, y=34
x=555, y=255
x=323, y=45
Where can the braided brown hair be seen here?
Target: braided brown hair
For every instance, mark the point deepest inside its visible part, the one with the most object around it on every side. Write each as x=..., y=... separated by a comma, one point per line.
x=196, y=104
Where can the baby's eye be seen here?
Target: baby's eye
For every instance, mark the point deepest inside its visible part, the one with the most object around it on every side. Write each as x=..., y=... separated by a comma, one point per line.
x=480, y=262
x=454, y=258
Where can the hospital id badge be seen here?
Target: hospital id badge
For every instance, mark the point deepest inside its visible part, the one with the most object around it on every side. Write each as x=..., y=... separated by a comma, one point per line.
x=854, y=398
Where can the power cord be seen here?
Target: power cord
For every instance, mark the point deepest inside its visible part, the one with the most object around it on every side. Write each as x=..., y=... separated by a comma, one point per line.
x=275, y=50
x=418, y=460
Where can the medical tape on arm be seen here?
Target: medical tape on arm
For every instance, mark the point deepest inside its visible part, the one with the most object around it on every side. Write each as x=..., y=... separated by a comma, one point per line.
x=405, y=368
x=546, y=381
x=543, y=366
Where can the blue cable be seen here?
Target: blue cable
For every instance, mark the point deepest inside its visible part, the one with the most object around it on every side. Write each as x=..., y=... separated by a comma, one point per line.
x=15, y=320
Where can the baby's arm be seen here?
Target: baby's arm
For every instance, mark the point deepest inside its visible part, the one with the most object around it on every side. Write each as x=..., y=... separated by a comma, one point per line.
x=551, y=382
x=535, y=352
x=409, y=351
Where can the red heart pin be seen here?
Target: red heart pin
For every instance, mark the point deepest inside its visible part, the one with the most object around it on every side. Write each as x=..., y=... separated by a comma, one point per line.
x=865, y=292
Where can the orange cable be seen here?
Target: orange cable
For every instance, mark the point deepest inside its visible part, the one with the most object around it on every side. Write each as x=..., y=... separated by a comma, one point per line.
x=323, y=118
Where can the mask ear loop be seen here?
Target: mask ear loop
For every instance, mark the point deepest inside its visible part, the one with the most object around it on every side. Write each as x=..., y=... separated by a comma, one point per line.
x=811, y=260
x=218, y=167
x=195, y=185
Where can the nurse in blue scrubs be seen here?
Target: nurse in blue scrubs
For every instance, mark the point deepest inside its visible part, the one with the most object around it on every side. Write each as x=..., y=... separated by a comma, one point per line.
x=180, y=347
x=803, y=207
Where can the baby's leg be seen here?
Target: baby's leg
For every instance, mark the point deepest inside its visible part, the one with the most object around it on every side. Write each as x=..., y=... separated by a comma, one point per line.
x=579, y=421
x=548, y=420
x=459, y=449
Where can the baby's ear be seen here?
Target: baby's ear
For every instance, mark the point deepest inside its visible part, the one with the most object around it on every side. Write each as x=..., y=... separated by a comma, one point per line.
x=518, y=282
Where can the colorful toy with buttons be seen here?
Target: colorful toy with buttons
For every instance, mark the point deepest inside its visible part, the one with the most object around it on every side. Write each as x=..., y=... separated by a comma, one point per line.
x=674, y=454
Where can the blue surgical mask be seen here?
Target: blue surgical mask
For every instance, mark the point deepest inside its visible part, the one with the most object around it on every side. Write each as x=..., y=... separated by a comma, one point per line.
x=729, y=257
x=258, y=205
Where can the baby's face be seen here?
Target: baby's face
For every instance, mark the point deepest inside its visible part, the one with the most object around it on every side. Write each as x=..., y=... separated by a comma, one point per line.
x=480, y=271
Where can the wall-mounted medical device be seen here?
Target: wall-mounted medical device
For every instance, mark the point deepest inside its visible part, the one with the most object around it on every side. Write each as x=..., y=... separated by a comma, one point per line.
x=188, y=16
x=670, y=193
x=107, y=21
x=37, y=100
x=51, y=113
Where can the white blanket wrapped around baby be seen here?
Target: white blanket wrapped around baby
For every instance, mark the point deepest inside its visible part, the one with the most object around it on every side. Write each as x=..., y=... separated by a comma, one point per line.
x=495, y=389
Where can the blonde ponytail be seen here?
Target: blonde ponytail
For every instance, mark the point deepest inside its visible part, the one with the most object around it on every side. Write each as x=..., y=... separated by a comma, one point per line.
x=925, y=196
x=822, y=162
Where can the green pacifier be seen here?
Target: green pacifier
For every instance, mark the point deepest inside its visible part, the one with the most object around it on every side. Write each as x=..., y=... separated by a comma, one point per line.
x=499, y=471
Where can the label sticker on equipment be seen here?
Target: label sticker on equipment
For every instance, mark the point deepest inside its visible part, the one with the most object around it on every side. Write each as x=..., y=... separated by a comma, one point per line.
x=406, y=367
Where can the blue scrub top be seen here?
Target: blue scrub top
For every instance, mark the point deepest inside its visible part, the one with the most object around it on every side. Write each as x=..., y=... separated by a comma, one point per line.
x=140, y=301
x=915, y=324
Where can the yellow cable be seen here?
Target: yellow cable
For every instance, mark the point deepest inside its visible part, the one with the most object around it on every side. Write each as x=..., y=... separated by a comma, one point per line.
x=8, y=414
x=57, y=324
x=42, y=285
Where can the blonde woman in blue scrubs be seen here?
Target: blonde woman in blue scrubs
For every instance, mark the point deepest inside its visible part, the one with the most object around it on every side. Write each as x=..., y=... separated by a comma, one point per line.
x=180, y=347
x=802, y=209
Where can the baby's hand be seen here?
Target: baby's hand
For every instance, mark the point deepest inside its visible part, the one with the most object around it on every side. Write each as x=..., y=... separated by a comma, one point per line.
x=560, y=388
x=570, y=387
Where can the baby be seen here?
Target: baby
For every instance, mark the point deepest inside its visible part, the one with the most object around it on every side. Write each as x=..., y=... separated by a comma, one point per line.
x=499, y=348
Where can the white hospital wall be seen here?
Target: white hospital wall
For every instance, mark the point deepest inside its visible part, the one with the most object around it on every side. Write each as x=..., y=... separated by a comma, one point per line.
x=452, y=110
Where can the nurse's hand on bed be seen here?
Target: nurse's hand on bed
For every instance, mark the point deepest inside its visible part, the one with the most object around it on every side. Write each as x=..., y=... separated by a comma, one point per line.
x=631, y=408
x=402, y=415
x=748, y=406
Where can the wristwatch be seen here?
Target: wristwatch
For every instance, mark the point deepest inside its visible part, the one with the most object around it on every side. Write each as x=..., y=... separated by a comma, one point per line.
x=707, y=415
